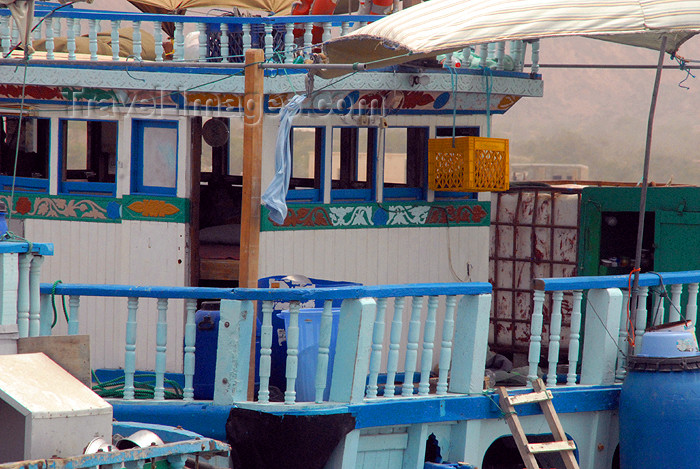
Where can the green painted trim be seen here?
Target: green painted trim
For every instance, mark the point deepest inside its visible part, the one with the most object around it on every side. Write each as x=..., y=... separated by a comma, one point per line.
x=97, y=209
x=385, y=215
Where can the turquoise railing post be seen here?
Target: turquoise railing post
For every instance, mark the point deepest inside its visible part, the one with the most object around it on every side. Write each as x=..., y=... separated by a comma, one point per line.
x=46, y=315
x=353, y=346
x=574, y=337
x=35, y=296
x=691, y=308
x=70, y=35
x=292, y=366
x=9, y=282
x=74, y=315
x=412, y=346
x=289, y=43
x=448, y=330
x=622, y=337
x=375, y=361
x=674, y=309
x=115, y=39
x=24, y=263
x=426, y=358
x=324, y=346
x=554, y=338
x=245, y=37
x=189, y=349
x=535, y=67
x=535, y=335
x=137, y=40
x=158, y=37
x=470, y=344
x=161, y=348
x=265, y=352
x=641, y=320
x=5, y=40
x=394, y=345
x=202, y=46
x=130, y=348
x=235, y=338
x=598, y=365
x=225, y=48
x=92, y=38
x=179, y=43
x=49, y=38
x=269, y=41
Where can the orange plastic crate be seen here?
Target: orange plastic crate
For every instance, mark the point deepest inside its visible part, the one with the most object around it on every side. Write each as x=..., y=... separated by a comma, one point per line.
x=473, y=164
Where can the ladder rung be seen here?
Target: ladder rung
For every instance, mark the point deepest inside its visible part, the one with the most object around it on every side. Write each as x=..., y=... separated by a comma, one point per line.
x=551, y=447
x=530, y=398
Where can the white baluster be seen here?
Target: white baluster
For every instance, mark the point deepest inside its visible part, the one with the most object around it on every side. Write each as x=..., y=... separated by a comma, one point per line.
x=245, y=37
x=658, y=312
x=554, y=338
x=35, y=296
x=269, y=42
x=674, y=308
x=137, y=39
x=491, y=51
x=344, y=28
x=190, y=338
x=130, y=348
x=5, y=39
x=449, y=60
x=535, y=56
x=225, y=50
x=483, y=54
x=622, y=336
x=50, y=45
x=179, y=46
x=161, y=348
x=500, y=54
x=394, y=344
x=448, y=330
x=70, y=34
x=73, y=314
x=324, y=347
x=158, y=38
x=426, y=359
x=202, y=53
x=92, y=35
x=535, y=335
x=23, y=294
x=289, y=43
x=290, y=394
x=58, y=28
x=308, y=37
x=375, y=360
x=326, y=36
x=641, y=320
x=115, y=39
x=46, y=314
x=265, y=352
x=574, y=337
x=412, y=346
x=691, y=309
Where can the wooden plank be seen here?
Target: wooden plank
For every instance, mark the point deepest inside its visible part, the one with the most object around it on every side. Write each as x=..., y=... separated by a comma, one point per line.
x=551, y=447
x=530, y=398
x=516, y=429
x=72, y=353
x=218, y=269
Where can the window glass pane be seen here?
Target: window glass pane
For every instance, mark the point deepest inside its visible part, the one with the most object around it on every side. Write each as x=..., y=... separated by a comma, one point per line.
x=89, y=150
x=159, y=157
x=303, y=152
x=33, y=151
x=235, y=162
x=362, y=155
x=395, y=156
x=76, y=145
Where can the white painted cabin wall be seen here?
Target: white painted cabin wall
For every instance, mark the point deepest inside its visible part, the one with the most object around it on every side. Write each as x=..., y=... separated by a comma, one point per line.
x=132, y=253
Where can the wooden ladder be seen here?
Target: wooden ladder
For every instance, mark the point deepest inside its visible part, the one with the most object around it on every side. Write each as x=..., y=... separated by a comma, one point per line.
x=561, y=445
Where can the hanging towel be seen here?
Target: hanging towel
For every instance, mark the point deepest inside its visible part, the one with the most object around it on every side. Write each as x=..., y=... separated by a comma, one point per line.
x=275, y=195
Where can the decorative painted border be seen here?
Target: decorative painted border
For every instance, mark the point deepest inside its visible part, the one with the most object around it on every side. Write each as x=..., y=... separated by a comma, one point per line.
x=385, y=215
x=98, y=209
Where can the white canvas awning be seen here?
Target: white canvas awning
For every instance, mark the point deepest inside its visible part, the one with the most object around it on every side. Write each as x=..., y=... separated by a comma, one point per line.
x=440, y=26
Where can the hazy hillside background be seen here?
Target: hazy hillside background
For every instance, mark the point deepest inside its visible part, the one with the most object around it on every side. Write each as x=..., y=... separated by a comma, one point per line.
x=598, y=117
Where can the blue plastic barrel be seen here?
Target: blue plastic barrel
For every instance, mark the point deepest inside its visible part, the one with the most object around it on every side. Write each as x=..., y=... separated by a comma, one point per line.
x=660, y=413
x=206, y=341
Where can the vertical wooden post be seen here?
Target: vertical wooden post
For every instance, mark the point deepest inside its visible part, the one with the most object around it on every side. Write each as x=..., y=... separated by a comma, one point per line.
x=250, y=204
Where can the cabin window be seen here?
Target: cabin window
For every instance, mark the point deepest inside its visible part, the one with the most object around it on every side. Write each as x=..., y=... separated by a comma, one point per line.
x=405, y=163
x=308, y=148
x=32, y=173
x=88, y=156
x=154, y=157
x=353, y=163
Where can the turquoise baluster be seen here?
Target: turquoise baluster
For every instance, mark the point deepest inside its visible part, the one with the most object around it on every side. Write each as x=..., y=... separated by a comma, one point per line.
x=426, y=359
x=265, y=352
x=394, y=344
x=324, y=344
x=292, y=353
x=161, y=348
x=412, y=346
x=130, y=348
x=375, y=361
x=448, y=331
x=190, y=338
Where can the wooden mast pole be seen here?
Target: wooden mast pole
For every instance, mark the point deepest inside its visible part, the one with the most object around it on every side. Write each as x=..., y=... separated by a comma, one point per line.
x=250, y=204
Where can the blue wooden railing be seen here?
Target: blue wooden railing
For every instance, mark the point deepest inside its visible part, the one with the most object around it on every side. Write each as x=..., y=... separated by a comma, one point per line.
x=219, y=38
x=607, y=331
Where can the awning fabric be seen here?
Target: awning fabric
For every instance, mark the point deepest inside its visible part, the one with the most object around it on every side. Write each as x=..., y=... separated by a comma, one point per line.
x=440, y=26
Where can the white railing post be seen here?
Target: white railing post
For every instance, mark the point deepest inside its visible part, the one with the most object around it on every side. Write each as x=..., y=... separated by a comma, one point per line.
x=70, y=35
x=641, y=319
x=9, y=282
x=674, y=307
x=470, y=344
x=130, y=348
x=225, y=49
x=46, y=315
x=189, y=349
x=265, y=352
x=50, y=45
x=35, y=296
x=269, y=41
x=353, y=345
x=535, y=56
x=92, y=38
x=73, y=314
x=292, y=366
x=324, y=347
x=691, y=308
x=392, y=364
x=308, y=37
x=137, y=39
x=574, y=337
x=412, y=346
x=599, y=351
x=535, y=335
x=554, y=338
x=25, y=260
x=377, y=345
x=161, y=348
x=622, y=336
x=448, y=330
x=115, y=39
x=245, y=37
x=179, y=43
x=500, y=54
x=426, y=358
x=158, y=37
x=202, y=50
x=289, y=43
x=233, y=351
x=5, y=39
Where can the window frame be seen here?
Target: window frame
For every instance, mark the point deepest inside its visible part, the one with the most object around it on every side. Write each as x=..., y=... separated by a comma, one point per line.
x=137, y=161
x=24, y=183
x=306, y=194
